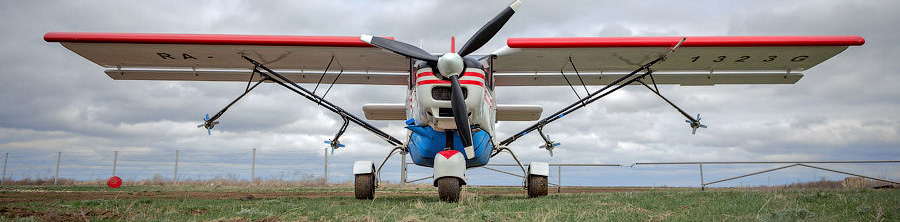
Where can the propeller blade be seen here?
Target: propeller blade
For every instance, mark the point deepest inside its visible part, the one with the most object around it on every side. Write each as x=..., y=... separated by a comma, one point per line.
x=490, y=29
x=461, y=116
x=399, y=48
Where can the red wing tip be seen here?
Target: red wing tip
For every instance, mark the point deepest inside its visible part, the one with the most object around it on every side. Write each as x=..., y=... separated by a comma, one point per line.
x=206, y=39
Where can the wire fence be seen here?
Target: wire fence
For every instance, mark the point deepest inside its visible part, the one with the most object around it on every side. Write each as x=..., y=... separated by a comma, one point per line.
x=309, y=166
x=179, y=165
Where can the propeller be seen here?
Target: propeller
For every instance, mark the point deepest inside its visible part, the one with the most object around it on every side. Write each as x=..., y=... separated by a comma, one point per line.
x=334, y=145
x=549, y=144
x=451, y=66
x=695, y=124
x=209, y=125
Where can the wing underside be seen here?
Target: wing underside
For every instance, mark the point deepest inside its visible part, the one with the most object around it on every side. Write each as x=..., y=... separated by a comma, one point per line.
x=523, y=62
x=698, y=61
x=194, y=57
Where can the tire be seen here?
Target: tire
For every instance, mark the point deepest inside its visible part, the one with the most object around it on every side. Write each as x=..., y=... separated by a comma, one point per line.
x=537, y=186
x=448, y=189
x=365, y=186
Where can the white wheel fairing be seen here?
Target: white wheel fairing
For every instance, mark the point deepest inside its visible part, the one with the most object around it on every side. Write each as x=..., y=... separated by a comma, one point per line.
x=363, y=167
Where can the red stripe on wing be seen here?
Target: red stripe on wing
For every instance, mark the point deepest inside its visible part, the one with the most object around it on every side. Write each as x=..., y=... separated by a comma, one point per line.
x=696, y=41
x=207, y=39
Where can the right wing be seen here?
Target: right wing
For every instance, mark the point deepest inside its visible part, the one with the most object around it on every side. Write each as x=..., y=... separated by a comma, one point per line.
x=210, y=57
x=698, y=61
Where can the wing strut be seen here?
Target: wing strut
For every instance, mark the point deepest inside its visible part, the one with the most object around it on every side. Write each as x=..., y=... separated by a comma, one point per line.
x=210, y=123
x=596, y=95
x=570, y=83
x=273, y=76
x=287, y=83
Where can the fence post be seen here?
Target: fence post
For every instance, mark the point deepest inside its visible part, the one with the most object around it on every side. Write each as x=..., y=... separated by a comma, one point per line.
x=175, y=176
x=58, y=157
x=115, y=161
x=702, y=185
x=402, y=169
x=3, y=178
x=559, y=178
x=253, y=167
x=325, y=182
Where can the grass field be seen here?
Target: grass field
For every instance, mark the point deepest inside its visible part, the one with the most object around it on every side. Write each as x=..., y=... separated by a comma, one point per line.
x=223, y=203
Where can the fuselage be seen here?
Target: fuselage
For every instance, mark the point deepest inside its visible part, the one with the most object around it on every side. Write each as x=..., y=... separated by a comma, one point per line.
x=431, y=121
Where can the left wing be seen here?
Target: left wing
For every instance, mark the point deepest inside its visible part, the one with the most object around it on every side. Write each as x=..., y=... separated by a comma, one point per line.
x=698, y=61
x=211, y=57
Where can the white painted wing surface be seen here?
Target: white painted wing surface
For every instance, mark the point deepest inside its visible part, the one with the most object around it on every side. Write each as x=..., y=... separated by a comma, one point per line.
x=209, y=57
x=698, y=61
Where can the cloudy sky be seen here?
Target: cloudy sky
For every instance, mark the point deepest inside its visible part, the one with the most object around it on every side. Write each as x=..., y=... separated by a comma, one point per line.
x=847, y=108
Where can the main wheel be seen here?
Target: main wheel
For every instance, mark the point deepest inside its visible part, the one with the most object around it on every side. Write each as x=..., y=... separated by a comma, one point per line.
x=537, y=186
x=365, y=186
x=448, y=189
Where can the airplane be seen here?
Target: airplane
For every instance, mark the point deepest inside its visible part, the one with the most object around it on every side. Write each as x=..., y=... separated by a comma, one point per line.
x=450, y=109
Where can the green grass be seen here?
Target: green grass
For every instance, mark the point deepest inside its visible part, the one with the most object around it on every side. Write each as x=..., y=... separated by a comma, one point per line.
x=479, y=204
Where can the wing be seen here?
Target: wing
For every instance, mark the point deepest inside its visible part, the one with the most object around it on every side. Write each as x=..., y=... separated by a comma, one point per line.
x=698, y=61
x=206, y=57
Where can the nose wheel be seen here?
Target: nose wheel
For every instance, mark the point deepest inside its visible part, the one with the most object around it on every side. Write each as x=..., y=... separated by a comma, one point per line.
x=448, y=189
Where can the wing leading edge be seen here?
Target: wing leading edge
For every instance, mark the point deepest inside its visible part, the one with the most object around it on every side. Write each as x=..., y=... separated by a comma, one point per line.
x=524, y=62
x=699, y=60
x=212, y=57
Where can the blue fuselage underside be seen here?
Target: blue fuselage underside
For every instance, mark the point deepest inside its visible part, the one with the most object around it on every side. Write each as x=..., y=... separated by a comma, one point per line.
x=426, y=143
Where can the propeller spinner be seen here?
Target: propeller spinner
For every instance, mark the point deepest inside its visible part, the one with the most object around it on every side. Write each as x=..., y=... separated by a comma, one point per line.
x=451, y=66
